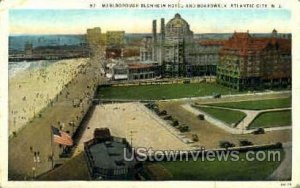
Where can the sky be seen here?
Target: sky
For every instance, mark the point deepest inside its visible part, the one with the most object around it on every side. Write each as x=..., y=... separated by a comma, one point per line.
x=39, y=21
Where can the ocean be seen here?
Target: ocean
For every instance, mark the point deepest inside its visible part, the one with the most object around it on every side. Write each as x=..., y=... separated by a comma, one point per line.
x=17, y=67
x=17, y=42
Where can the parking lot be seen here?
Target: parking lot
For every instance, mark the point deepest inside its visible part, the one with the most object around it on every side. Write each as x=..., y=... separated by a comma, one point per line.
x=137, y=124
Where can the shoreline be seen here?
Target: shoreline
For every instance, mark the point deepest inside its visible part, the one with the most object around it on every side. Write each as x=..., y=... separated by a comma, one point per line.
x=36, y=135
x=32, y=90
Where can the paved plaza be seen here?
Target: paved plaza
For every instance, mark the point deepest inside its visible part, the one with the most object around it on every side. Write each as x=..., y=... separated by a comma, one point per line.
x=137, y=124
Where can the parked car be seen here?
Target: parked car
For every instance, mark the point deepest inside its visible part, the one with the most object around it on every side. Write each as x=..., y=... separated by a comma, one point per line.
x=259, y=131
x=183, y=128
x=169, y=117
x=279, y=144
x=195, y=137
x=150, y=105
x=245, y=143
x=216, y=95
x=175, y=123
x=201, y=116
x=226, y=144
x=162, y=113
x=156, y=110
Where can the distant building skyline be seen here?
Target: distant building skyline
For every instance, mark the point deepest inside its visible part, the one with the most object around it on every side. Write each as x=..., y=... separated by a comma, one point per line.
x=139, y=21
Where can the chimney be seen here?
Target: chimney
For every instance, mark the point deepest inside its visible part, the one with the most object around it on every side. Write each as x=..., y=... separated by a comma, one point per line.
x=154, y=36
x=162, y=28
x=162, y=41
x=154, y=30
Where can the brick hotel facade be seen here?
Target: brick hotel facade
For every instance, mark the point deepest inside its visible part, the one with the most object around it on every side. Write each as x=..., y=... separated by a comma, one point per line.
x=248, y=62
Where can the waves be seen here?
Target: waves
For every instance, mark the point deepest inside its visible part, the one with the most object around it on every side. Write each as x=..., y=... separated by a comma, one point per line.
x=18, y=67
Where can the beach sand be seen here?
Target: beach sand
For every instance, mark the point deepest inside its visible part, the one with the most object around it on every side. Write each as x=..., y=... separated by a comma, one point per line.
x=33, y=89
x=36, y=135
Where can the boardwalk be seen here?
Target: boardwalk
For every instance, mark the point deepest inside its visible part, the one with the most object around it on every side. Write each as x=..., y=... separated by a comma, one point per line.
x=36, y=136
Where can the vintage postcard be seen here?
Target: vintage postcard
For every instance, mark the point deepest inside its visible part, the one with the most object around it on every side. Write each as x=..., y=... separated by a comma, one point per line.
x=135, y=93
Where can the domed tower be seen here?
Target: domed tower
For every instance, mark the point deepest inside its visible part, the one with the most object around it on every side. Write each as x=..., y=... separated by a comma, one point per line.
x=274, y=33
x=178, y=45
x=178, y=27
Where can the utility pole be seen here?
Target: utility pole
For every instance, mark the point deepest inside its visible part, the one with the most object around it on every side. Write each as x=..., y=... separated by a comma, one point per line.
x=36, y=160
x=131, y=136
x=52, y=152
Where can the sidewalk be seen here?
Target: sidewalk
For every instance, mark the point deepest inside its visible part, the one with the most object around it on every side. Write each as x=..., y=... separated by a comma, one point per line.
x=229, y=96
x=284, y=170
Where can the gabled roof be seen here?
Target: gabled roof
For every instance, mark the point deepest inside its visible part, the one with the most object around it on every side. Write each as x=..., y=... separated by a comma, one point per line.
x=244, y=44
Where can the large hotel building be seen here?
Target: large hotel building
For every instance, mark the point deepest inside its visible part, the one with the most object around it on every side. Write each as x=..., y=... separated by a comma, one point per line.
x=243, y=61
x=249, y=62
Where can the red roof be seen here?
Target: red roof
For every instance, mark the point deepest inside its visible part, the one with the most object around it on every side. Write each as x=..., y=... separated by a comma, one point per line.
x=244, y=44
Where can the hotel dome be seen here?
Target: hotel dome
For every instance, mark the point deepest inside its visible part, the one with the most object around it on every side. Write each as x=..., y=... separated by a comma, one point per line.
x=177, y=24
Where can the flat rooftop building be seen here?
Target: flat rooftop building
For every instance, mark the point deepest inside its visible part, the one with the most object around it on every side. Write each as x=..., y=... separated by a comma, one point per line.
x=132, y=71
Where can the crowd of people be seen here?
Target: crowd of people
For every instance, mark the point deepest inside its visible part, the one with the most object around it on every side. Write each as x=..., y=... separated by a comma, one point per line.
x=34, y=89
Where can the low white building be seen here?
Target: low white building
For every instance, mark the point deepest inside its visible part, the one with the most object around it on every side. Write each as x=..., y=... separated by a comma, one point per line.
x=131, y=71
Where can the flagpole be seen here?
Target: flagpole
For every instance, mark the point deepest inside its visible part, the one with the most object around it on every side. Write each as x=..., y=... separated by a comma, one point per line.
x=52, y=153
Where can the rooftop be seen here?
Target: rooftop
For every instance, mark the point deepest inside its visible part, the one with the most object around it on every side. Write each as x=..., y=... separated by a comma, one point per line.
x=244, y=43
x=110, y=154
